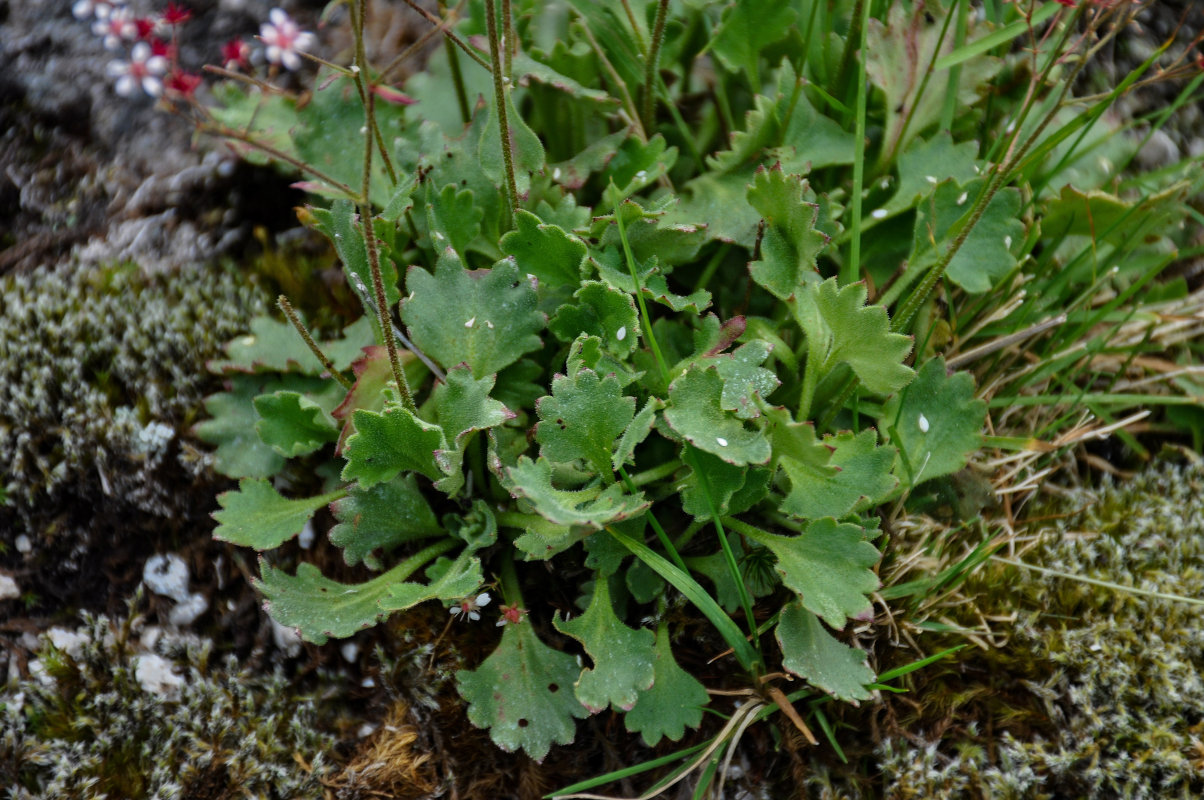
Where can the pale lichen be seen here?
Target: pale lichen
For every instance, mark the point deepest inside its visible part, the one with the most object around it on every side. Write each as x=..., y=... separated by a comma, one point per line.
x=91, y=728
x=100, y=369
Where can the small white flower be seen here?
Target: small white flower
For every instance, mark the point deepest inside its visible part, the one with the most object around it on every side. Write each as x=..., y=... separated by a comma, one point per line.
x=117, y=27
x=142, y=71
x=470, y=608
x=284, y=39
x=83, y=9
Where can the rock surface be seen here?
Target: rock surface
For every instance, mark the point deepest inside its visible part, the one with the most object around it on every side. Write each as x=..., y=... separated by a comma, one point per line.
x=116, y=178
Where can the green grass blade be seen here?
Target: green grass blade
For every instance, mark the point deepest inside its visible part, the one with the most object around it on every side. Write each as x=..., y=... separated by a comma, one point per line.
x=851, y=269
x=1178, y=598
x=1101, y=399
x=829, y=734
x=999, y=38
x=907, y=669
x=693, y=591
x=626, y=772
x=729, y=556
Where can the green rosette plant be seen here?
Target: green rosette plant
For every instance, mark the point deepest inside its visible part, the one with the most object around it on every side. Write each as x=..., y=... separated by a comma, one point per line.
x=630, y=327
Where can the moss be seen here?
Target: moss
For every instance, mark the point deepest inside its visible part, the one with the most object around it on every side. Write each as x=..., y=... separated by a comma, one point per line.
x=86, y=728
x=99, y=370
x=1097, y=692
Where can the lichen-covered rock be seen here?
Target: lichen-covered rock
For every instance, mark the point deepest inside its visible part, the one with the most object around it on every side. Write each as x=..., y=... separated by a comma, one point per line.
x=89, y=726
x=100, y=372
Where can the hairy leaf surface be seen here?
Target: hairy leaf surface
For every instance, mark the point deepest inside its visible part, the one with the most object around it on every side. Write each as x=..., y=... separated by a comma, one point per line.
x=390, y=442
x=841, y=328
x=829, y=565
x=257, y=516
x=292, y=424
x=790, y=243
x=936, y=423
x=696, y=412
x=485, y=318
x=818, y=657
x=523, y=693
x=591, y=506
x=380, y=518
x=582, y=418
x=623, y=657
x=855, y=477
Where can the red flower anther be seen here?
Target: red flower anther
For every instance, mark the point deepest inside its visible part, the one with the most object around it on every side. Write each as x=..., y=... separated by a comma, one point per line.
x=183, y=83
x=175, y=15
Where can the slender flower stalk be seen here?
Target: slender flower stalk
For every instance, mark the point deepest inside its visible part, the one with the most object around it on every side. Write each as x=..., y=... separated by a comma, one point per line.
x=365, y=209
x=509, y=42
x=500, y=82
x=650, y=66
x=456, y=40
x=290, y=312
